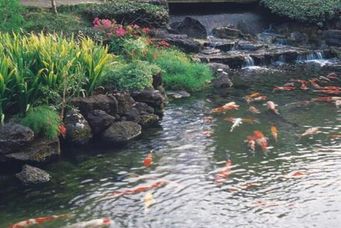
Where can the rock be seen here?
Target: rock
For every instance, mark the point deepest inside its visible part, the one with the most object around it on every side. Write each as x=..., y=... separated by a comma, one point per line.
x=121, y=132
x=40, y=150
x=222, y=81
x=248, y=46
x=298, y=38
x=148, y=120
x=157, y=81
x=226, y=32
x=184, y=43
x=178, y=94
x=78, y=130
x=191, y=27
x=32, y=175
x=143, y=108
x=13, y=137
x=133, y=115
x=222, y=44
x=125, y=102
x=332, y=37
x=215, y=67
x=99, y=121
x=151, y=97
x=107, y=103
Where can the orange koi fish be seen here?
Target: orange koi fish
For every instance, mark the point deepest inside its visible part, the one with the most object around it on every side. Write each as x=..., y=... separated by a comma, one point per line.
x=226, y=107
x=326, y=91
x=272, y=107
x=252, y=95
x=326, y=99
x=37, y=221
x=284, y=88
x=261, y=140
x=330, y=88
x=253, y=109
x=274, y=132
x=103, y=222
x=148, y=160
x=139, y=189
x=304, y=85
x=295, y=174
x=224, y=173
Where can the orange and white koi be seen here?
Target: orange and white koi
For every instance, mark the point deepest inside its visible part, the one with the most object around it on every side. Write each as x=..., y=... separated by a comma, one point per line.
x=224, y=173
x=259, y=139
x=256, y=99
x=38, y=221
x=251, y=143
x=252, y=95
x=326, y=99
x=96, y=223
x=253, y=109
x=139, y=189
x=274, y=132
x=226, y=107
x=272, y=107
x=284, y=88
x=148, y=160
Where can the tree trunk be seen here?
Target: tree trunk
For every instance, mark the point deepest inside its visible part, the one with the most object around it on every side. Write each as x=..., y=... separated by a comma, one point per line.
x=54, y=6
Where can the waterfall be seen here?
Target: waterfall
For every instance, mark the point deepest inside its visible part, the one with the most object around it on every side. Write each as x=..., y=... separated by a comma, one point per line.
x=316, y=57
x=248, y=61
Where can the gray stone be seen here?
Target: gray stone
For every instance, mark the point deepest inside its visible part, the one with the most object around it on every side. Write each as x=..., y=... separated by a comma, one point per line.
x=78, y=130
x=191, y=27
x=178, y=94
x=332, y=37
x=222, y=81
x=13, y=137
x=99, y=121
x=148, y=120
x=125, y=102
x=121, y=132
x=107, y=103
x=215, y=67
x=151, y=97
x=184, y=43
x=32, y=175
x=226, y=32
x=298, y=37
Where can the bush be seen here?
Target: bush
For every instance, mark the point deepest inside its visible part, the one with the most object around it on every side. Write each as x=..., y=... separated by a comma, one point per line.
x=304, y=10
x=10, y=15
x=44, y=69
x=123, y=11
x=43, y=121
x=179, y=72
x=136, y=75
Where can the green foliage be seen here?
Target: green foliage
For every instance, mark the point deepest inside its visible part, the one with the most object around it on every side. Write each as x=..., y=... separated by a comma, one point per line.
x=136, y=75
x=10, y=15
x=304, y=10
x=123, y=11
x=45, y=69
x=43, y=121
x=179, y=72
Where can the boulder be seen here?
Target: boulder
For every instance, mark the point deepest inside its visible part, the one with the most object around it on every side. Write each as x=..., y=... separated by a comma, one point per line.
x=226, y=32
x=99, y=121
x=151, y=97
x=121, y=132
x=333, y=37
x=32, y=175
x=107, y=103
x=13, y=137
x=184, y=43
x=178, y=94
x=215, y=67
x=124, y=102
x=248, y=46
x=40, y=150
x=298, y=38
x=191, y=27
x=143, y=108
x=78, y=130
x=148, y=120
x=222, y=80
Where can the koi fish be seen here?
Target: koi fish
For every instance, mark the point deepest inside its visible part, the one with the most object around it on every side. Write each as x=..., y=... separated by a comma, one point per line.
x=148, y=200
x=253, y=109
x=207, y=133
x=259, y=139
x=295, y=174
x=260, y=98
x=37, y=221
x=323, y=78
x=289, y=84
x=226, y=107
x=224, y=173
x=304, y=85
x=148, y=160
x=284, y=88
x=333, y=92
x=326, y=99
x=251, y=143
x=96, y=223
x=252, y=95
x=338, y=103
x=236, y=123
x=330, y=88
x=272, y=107
x=313, y=82
x=311, y=131
x=139, y=189
x=274, y=132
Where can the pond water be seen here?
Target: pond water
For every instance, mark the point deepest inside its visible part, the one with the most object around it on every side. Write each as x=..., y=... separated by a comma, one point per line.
x=257, y=192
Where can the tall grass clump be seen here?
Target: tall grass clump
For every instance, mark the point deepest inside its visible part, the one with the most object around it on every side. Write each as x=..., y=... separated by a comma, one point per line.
x=43, y=121
x=179, y=71
x=47, y=69
x=11, y=18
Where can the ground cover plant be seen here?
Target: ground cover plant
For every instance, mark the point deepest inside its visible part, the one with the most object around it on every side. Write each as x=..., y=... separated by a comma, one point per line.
x=10, y=15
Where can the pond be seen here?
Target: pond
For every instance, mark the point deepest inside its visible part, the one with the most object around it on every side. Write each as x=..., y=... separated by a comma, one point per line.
x=190, y=146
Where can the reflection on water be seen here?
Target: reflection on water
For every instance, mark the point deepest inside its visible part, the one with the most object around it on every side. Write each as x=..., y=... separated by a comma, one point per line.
x=257, y=192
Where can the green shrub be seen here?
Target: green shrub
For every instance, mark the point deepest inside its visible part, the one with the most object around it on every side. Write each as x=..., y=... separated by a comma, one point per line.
x=304, y=10
x=136, y=75
x=43, y=121
x=123, y=11
x=45, y=69
x=10, y=15
x=179, y=72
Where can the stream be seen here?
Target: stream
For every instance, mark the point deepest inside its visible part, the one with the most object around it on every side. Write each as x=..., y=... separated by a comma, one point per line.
x=190, y=146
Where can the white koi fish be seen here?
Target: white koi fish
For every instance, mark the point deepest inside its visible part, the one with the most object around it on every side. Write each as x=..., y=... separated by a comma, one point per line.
x=236, y=122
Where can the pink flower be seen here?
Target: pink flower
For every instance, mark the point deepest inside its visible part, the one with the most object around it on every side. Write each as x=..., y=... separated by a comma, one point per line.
x=120, y=32
x=146, y=30
x=106, y=23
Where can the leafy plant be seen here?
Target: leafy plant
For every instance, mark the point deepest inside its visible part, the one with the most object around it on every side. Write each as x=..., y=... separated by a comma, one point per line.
x=304, y=10
x=10, y=15
x=43, y=121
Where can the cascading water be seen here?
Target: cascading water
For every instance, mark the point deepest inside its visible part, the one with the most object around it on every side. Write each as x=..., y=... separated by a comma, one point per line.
x=248, y=61
x=316, y=57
